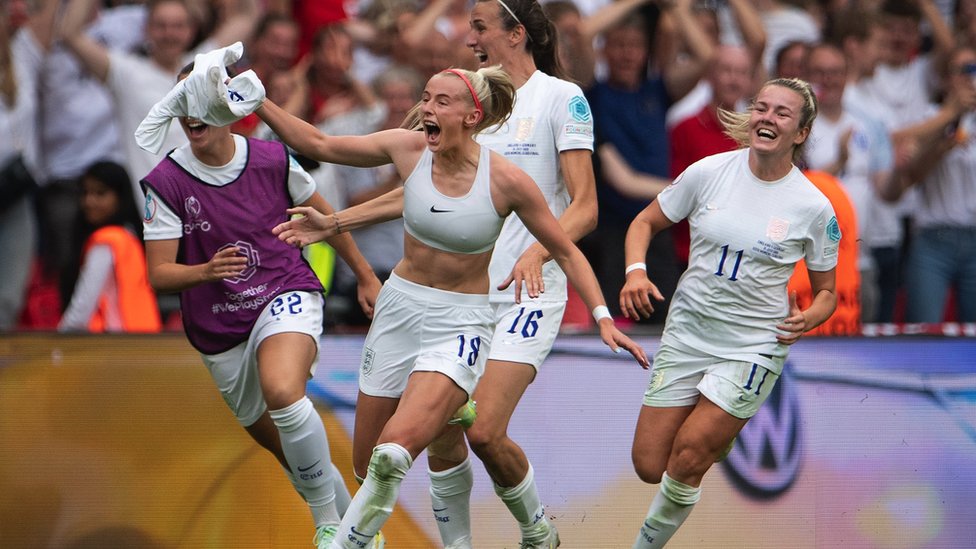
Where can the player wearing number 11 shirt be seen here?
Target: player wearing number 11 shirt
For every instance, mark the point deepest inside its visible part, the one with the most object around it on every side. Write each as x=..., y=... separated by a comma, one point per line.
x=752, y=216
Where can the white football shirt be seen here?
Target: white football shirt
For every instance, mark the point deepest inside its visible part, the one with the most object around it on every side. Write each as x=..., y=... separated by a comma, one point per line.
x=550, y=116
x=746, y=236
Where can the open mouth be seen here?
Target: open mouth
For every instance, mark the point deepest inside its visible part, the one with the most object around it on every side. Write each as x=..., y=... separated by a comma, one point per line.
x=765, y=133
x=196, y=128
x=482, y=57
x=432, y=130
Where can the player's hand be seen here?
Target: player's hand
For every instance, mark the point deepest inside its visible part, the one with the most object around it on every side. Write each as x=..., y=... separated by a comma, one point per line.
x=617, y=340
x=366, y=291
x=635, y=296
x=312, y=226
x=527, y=271
x=226, y=263
x=794, y=325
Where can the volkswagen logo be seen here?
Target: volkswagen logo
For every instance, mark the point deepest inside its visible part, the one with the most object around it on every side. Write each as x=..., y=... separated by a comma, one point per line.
x=765, y=461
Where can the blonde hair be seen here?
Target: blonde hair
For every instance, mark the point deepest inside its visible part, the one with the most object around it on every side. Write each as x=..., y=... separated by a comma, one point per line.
x=493, y=88
x=737, y=123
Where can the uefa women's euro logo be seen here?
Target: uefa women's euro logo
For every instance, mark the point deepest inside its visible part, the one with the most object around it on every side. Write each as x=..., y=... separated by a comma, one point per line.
x=193, y=213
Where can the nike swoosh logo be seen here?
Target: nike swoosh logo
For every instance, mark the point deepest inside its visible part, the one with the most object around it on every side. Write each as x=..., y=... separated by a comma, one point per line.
x=360, y=534
x=439, y=510
x=301, y=470
x=433, y=209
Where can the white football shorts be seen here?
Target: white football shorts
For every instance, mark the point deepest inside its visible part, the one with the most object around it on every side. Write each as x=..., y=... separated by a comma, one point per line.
x=235, y=371
x=679, y=378
x=525, y=332
x=419, y=328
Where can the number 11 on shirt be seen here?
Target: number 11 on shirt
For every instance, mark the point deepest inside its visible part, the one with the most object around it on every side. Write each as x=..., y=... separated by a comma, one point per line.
x=735, y=266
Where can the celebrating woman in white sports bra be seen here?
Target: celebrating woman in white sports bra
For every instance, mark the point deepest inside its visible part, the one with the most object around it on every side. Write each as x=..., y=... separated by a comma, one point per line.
x=421, y=359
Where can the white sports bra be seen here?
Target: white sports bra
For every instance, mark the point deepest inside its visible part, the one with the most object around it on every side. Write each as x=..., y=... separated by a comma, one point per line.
x=466, y=224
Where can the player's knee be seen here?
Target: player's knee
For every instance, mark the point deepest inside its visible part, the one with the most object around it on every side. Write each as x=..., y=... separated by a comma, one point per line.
x=390, y=461
x=449, y=446
x=484, y=438
x=688, y=460
x=281, y=397
x=647, y=469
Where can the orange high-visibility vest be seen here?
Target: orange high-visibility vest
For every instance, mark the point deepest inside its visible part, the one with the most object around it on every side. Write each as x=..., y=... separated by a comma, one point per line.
x=133, y=306
x=846, y=319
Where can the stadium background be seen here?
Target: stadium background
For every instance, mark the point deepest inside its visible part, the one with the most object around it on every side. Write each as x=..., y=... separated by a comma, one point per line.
x=122, y=441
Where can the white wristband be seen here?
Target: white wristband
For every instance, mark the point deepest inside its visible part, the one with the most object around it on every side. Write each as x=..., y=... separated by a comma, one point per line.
x=634, y=267
x=600, y=312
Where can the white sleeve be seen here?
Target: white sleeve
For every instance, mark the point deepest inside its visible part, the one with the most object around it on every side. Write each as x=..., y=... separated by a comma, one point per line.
x=94, y=274
x=823, y=241
x=159, y=221
x=301, y=186
x=571, y=118
x=679, y=199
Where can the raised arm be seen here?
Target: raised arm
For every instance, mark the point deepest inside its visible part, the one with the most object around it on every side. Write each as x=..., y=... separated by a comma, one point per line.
x=418, y=30
x=942, y=40
x=592, y=26
x=609, y=15
x=935, y=137
x=681, y=78
x=753, y=34
x=236, y=22
x=363, y=151
x=42, y=21
x=92, y=55
x=920, y=163
x=751, y=29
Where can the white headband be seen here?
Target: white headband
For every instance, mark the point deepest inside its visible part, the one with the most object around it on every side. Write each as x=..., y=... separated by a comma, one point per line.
x=510, y=12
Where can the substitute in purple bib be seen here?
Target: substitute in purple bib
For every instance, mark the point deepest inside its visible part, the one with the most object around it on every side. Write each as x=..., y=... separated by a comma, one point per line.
x=251, y=304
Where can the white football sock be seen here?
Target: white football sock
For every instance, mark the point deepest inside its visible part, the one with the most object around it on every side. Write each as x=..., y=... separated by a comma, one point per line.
x=342, y=497
x=450, y=495
x=669, y=508
x=307, y=451
x=524, y=504
x=375, y=499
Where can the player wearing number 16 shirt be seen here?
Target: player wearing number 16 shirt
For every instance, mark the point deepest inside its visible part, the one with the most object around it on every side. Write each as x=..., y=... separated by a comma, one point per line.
x=753, y=216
